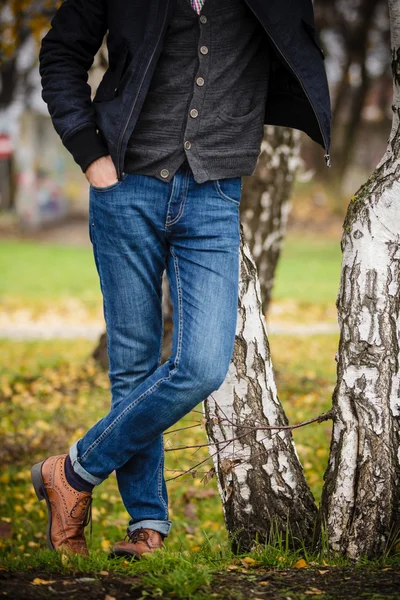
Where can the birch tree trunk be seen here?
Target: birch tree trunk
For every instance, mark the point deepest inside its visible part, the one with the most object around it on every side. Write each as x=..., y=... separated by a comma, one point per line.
x=360, y=505
x=265, y=203
x=260, y=478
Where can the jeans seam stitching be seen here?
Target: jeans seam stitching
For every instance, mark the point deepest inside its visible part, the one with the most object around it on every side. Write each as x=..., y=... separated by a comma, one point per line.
x=183, y=203
x=94, y=243
x=160, y=475
x=162, y=327
x=180, y=317
x=174, y=184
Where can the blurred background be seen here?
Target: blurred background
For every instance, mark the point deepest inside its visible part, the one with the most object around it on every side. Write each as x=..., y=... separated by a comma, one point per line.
x=50, y=302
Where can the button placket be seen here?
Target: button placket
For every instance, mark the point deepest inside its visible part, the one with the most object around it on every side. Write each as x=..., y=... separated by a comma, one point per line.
x=199, y=89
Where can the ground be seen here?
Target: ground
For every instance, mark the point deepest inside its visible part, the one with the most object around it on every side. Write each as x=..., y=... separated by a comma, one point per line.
x=352, y=583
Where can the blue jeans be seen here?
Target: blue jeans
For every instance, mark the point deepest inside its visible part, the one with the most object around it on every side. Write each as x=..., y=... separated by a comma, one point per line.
x=139, y=227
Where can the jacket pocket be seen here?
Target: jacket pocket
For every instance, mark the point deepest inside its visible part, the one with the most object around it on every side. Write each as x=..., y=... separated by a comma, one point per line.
x=108, y=87
x=313, y=33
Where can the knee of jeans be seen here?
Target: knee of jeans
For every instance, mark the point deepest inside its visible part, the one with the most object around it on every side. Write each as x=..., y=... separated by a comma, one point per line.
x=207, y=375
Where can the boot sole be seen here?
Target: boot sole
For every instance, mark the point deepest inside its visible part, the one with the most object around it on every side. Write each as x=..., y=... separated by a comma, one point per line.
x=123, y=554
x=38, y=484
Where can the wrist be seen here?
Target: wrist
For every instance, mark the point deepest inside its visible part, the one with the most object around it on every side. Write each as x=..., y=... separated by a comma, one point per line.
x=86, y=146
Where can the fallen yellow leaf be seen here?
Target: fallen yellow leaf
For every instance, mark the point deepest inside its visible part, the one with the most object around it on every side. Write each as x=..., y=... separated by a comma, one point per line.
x=300, y=564
x=248, y=562
x=38, y=581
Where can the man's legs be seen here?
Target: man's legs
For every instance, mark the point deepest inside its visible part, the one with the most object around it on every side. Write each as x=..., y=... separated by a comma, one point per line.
x=126, y=229
x=137, y=225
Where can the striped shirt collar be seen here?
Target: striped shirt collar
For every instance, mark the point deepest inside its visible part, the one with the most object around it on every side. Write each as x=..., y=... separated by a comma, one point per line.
x=197, y=5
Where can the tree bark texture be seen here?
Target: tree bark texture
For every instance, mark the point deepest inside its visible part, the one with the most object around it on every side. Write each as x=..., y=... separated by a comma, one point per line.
x=360, y=506
x=265, y=203
x=260, y=478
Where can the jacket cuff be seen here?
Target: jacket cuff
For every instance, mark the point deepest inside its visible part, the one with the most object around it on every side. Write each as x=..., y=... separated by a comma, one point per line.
x=86, y=145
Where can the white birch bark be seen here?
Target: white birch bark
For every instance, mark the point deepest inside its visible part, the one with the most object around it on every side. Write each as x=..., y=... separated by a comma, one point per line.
x=260, y=478
x=265, y=203
x=360, y=506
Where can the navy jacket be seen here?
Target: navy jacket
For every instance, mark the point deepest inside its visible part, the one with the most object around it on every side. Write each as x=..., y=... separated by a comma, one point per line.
x=298, y=96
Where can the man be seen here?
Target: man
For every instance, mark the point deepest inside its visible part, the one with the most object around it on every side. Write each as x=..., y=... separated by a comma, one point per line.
x=176, y=121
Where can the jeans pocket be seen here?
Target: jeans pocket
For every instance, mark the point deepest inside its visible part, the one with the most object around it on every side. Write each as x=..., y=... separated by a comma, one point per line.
x=229, y=189
x=109, y=188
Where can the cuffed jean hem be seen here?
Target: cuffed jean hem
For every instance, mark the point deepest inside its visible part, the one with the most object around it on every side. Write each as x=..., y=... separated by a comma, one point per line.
x=162, y=527
x=79, y=470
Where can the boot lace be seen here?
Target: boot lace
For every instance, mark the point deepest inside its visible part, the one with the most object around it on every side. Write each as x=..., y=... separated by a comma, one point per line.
x=84, y=504
x=137, y=535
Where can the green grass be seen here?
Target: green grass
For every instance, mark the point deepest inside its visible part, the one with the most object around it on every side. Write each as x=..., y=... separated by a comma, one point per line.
x=39, y=275
x=309, y=270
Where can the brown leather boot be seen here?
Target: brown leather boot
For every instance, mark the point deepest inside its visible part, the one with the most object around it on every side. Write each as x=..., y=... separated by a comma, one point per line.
x=69, y=511
x=140, y=541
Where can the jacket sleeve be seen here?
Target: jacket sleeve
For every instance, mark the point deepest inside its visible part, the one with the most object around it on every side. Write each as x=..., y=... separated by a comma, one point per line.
x=66, y=54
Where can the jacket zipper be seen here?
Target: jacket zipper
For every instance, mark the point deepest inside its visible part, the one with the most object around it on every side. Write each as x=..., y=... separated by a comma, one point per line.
x=327, y=155
x=119, y=172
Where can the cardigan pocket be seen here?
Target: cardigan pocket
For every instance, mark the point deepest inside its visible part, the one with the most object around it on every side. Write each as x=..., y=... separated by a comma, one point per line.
x=242, y=118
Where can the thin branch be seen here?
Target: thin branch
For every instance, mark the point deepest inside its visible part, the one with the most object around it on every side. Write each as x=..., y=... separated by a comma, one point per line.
x=320, y=419
x=198, y=423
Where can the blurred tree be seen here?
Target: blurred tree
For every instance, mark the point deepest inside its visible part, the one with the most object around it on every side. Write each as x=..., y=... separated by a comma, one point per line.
x=20, y=19
x=360, y=506
x=358, y=33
